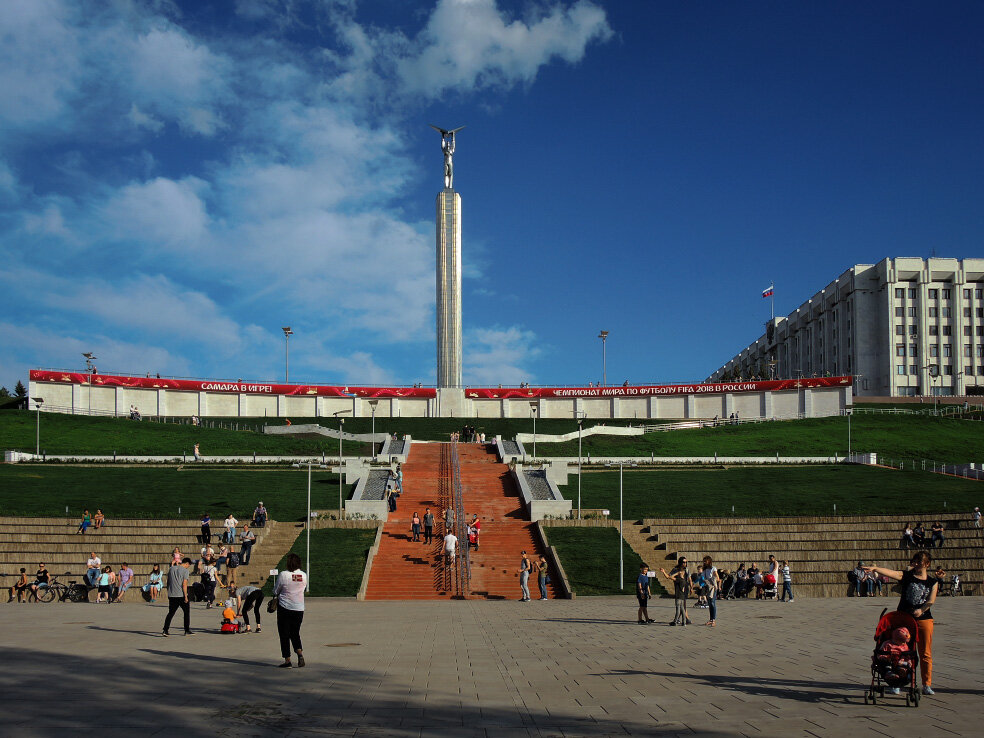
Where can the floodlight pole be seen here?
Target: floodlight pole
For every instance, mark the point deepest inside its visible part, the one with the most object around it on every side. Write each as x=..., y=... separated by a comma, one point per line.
x=341, y=476
x=307, y=587
x=372, y=405
x=848, y=434
x=604, y=358
x=621, y=539
x=287, y=334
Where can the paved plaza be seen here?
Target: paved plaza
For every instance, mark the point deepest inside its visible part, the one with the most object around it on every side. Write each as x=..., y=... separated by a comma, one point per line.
x=556, y=668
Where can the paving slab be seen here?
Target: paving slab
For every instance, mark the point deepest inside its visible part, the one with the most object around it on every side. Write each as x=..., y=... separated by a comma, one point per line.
x=474, y=668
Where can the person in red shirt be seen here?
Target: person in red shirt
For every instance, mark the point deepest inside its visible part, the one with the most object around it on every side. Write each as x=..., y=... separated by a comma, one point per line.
x=477, y=525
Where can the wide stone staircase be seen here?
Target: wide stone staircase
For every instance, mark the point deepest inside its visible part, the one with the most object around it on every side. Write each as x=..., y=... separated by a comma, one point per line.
x=403, y=569
x=820, y=550
x=26, y=542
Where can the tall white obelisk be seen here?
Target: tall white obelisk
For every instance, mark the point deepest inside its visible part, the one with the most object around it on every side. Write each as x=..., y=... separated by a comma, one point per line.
x=448, y=273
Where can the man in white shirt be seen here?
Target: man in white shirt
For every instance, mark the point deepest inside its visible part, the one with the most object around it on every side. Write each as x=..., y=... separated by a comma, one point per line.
x=450, y=547
x=93, y=569
x=230, y=528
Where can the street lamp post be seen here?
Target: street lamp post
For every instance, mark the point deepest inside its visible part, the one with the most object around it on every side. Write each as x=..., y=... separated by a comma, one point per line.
x=533, y=411
x=934, y=371
x=621, y=521
x=372, y=404
x=287, y=334
x=604, y=358
x=307, y=587
x=580, y=422
x=848, y=410
x=341, y=476
x=90, y=367
x=38, y=402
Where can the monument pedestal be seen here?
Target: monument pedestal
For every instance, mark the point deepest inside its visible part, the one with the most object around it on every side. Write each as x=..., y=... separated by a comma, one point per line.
x=452, y=403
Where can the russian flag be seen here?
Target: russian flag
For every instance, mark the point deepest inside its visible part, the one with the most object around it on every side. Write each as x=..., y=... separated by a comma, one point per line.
x=767, y=292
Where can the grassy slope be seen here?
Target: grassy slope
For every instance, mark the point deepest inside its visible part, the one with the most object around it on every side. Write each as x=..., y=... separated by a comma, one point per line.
x=590, y=559
x=338, y=559
x=66, y=434
x=891, y=436
x=771, y=491
x=136, y=492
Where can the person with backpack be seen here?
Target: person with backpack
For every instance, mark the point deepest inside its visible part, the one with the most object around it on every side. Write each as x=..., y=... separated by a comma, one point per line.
x=289, y=591
x=232, y=564
x=210, y=577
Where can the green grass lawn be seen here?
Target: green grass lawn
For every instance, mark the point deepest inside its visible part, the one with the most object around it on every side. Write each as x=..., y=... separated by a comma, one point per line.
x=67, y=434
x=590, y=559
x=159, y=492
x=338, y=560
x=891, y=436
x=772, y=491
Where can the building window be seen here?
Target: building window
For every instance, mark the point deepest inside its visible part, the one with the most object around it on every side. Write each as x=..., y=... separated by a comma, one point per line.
x=913, y=330
x=967, y=350
x=946, y=294
x=947, y=350
x=934, y=330
x=934, y=294
x=913, y=350
x=900, y=369
x=899, y=312
x=980, y=312
x=900, y=349
x=934, y=350
x=912, y=312
x=978, y=294
x=934, y=312
x=966, y=330
x=966, y=312
x=913, y=368
x=980, y=350
x=946, y=312
x=948, y=370
x=900, y=292
x=980, y=330
x=966, y=294
x=900, y=330
x=980, y=370
x=912, y=293
x=947, y=330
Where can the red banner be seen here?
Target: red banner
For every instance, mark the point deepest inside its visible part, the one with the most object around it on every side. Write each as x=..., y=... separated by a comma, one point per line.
x=249, y=388
x=501, y=393
x=534, y=393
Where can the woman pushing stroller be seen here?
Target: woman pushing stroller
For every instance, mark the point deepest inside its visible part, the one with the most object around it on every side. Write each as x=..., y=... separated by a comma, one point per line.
x=919, y=589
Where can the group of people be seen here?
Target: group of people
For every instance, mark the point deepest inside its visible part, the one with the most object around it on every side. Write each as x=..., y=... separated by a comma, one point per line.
x=473, y=528
x=394, y=487
x=526, y=568
x=135, y=413
x=111, y=585
x=915, y=536
x=684, y=585
x=95, y=522
x=746, y=580
x=468, y=434
x=288, y=593
x=25, y=590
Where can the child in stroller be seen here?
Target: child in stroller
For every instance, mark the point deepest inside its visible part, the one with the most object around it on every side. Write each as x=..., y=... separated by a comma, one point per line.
x=770, y=591
x=894, y=661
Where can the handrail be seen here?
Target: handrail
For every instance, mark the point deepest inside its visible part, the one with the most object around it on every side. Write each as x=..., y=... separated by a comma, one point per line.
x=464, y=565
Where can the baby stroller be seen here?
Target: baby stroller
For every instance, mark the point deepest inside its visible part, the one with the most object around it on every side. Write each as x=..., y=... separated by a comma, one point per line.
x=769, y=587
x=729, y=587
x=894, y=670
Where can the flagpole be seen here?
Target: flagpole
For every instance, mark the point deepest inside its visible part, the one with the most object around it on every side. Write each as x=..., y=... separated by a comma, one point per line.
x=772, y=299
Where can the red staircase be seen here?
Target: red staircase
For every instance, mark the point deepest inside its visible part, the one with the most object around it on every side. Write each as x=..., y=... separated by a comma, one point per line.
x=407, y=570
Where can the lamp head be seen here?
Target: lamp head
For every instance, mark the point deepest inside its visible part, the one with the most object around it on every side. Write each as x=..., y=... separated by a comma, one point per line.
x=287, y=331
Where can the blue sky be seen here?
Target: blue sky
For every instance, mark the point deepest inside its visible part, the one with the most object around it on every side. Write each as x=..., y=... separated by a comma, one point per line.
x=180, y=179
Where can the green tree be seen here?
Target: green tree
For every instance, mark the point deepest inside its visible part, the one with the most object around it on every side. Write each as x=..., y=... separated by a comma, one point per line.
x=4, y=392
x=20, y=390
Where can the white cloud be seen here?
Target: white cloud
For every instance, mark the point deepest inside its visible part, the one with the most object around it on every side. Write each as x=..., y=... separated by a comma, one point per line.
x=142, y=120
x=469, y=44
x=160, y=212
x=499, y=355
x=49, y=223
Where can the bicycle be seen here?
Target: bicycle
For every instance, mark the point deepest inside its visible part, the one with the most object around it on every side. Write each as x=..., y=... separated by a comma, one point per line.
x=71, y=592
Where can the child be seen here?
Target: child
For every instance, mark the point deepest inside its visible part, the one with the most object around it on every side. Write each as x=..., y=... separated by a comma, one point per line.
x=229, y=618
x=894, y=657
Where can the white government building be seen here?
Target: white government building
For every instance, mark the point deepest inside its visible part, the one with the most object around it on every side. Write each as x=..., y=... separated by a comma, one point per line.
x=903, y=327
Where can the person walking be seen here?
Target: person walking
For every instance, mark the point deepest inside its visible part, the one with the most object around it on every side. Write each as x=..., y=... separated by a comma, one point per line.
x=428, y=526
x=681, y=588
x=197, y=453
x=210, y=580
x=449, y=519
x=787, y=581
x=476, y=525
x=415, y=526
x=919, y=590
x=177, y=595
x=643, y=593
x=541, y=578
x=248, y=597
x=450, y=547
x=525, y=566
x=712, y=581
x=289, y=591
x=248, y=538
x=206, y=529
